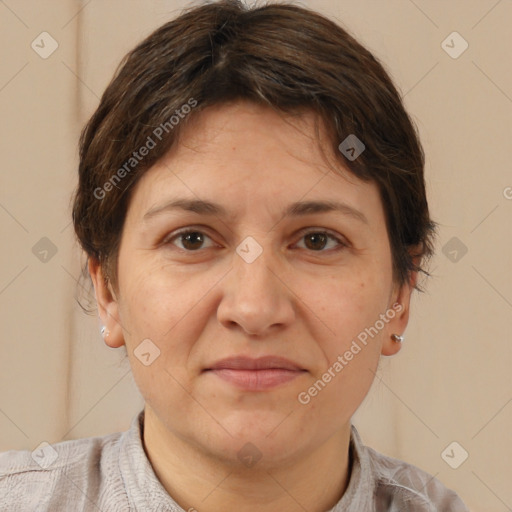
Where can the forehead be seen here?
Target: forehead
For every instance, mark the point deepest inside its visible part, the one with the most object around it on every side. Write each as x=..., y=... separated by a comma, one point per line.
x=244, y=154
x=259, y=131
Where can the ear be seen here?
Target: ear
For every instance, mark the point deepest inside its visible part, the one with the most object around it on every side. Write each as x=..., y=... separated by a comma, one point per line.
x=108, y=307
x=400, y=303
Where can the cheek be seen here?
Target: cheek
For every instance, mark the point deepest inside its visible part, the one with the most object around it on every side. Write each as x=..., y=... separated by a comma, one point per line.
x=158, y=308
x=347, y=302
x=139, y=306
x=167, y=307
x=349, y=306
x=350, y=348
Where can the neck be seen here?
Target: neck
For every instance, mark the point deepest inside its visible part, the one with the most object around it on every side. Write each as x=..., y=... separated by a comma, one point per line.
x=199, y=481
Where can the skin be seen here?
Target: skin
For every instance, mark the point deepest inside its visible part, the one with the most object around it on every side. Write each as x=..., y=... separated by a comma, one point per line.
x=200, y=302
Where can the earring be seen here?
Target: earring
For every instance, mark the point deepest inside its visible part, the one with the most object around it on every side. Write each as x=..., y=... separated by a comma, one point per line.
x=104, y=332
x=397, y=338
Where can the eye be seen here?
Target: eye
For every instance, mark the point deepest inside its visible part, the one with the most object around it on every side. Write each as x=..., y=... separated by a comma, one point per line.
x=192, y=240
x=317, y=240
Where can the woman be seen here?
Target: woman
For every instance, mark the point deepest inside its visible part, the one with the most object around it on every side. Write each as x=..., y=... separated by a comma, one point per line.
x=252, y=203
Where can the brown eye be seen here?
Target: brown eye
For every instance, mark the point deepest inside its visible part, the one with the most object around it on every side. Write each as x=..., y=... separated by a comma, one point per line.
x=193, y=240
x=317, y=241
x=190, y=240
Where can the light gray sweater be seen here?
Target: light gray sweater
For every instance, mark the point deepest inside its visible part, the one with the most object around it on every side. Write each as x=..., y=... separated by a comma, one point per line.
x=113, y=474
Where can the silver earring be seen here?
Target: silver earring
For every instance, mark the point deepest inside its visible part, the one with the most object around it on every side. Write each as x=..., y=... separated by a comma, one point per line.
x=104, y=332
x=397, y=338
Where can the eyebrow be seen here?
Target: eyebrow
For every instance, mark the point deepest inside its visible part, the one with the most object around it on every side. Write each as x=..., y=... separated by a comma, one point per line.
x=297, y=209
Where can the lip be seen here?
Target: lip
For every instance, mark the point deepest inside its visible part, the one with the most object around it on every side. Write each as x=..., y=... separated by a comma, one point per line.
x=256, y=374
x=260, y=363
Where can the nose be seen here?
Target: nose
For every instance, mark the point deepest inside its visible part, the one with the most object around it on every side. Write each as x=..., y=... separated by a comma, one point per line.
x=256, y=298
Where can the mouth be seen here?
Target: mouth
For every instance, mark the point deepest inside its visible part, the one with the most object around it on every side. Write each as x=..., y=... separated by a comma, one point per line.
x=256, y=374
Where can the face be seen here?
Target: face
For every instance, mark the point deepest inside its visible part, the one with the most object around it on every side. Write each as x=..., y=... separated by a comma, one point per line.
x=250, y=289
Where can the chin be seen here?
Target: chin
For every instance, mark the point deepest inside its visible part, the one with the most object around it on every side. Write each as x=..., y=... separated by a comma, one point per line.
x=263, y=438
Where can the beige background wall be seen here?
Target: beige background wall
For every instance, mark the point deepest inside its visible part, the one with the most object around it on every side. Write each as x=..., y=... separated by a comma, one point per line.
x=451, y=382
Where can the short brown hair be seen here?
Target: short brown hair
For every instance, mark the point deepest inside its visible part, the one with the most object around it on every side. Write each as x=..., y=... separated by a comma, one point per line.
x=279, y=55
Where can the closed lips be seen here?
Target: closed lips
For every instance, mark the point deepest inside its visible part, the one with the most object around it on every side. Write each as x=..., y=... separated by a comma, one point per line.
x=256, y=374
x=261, y=363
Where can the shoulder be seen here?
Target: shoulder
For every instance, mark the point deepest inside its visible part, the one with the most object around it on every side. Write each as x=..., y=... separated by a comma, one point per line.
x=56, y=474
x=400, y=483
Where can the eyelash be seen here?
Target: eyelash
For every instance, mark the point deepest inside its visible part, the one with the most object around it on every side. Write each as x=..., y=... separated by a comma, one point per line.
x=342, y=245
